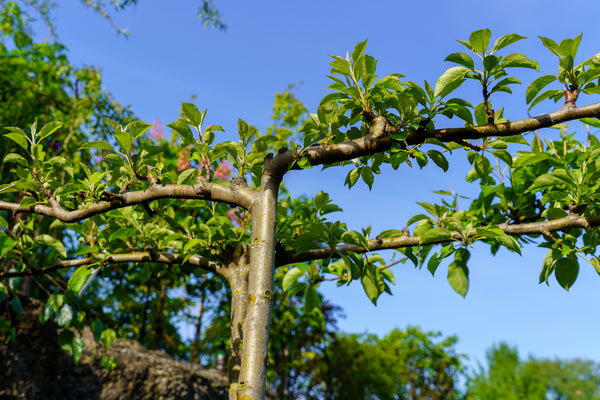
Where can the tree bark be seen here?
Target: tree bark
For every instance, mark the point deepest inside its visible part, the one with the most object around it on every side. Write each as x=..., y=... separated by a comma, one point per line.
x=253, y=374
x=237, y=276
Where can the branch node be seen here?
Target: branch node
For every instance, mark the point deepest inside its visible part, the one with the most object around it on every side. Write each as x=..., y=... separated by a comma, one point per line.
x=239, y=181
x=153, y=179
x=571, y=96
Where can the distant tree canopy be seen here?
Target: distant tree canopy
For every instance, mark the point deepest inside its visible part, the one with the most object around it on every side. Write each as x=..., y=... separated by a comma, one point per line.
x=207, y=13
x=508, y=377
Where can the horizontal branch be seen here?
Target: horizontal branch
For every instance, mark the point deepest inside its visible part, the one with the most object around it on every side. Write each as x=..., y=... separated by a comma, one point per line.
x=286, y=257
x=509, y=128
x=236, y=195
x=138, y=257
x=378, y=138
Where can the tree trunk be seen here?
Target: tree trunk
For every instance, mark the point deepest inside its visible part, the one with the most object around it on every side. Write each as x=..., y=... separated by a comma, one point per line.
x=237, y=276
x=253, y=374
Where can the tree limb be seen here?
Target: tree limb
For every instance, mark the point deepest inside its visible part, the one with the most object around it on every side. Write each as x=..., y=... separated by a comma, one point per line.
x=378, y=138
x=154, y=257
x=535, y=228
x=236, y=195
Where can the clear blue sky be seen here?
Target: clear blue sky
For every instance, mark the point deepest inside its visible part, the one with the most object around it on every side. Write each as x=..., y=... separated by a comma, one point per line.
x=270, y=44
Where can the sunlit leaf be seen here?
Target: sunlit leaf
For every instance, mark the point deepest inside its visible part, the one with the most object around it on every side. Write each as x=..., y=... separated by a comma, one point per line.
x=291, y=276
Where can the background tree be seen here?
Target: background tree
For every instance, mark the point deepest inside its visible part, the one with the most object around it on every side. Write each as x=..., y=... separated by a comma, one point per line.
x=508, y=377
x=42, y=9
x=366, y=122
x=407, y=364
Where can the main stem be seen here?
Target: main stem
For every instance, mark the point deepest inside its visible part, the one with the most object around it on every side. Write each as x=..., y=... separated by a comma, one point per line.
x=237, y=276
x=253, y=374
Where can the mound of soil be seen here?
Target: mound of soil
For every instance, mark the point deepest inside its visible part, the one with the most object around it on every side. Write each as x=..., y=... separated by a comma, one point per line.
x=35, y=367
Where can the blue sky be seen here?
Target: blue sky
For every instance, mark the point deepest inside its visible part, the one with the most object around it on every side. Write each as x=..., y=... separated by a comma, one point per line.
x=270, y=44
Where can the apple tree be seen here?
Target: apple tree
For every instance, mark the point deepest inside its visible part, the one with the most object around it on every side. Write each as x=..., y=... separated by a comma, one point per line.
x=134, y=206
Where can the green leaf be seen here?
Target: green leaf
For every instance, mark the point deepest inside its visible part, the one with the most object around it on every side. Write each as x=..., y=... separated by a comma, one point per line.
x=355, y=238
x=192, y=113
x=311, y=298
x=566, y=271
x=65, y=316
x=340, y=66
x=480, y=40
x=235, y=149
x=242, y=127
x=124, y=140
x=18, y=136
x=191, y=243
x=551, y=45
x=78, y=347
x=147, y=273
x=56, y=301
x=462, y=59
x=65, y=340
x=506, y=40
x=554, y=213
x=6, y=244
x=291, y=276
x=548, y=94
x=79, y=279
x=108, y=363
x=467, y=45
x=545, y=181
x=509, y=242
x=46, y=314
x=28, y=202
x=107, y=337
x=491, y=62
x=569, y=46
x=367, y=175
x=16, y=306
x=57, y=245
x=182, y=128
x=137, y=128
x=97, y=328
x=504, y=156
x=186, y=176
x=332, y=98
x=439, y=159
x=482, y=166
x=458, y=273
x=435, y=235
x=537, y=85
x=352, y=177
x=591, y=121
x=113, y=124
x=595, y=263
x=480, y=114
x=450, y=80
x=434, y=263
x=391, y=82
x=97, y=144
x=304, y=163
x=359, y=50
x=49, y=129
x=519, y=60
x=372, y=287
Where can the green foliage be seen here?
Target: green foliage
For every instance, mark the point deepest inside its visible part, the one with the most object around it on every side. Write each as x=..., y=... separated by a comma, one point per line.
x=148, y=262
x=508, y=377
x=574, y=78
x=407, y=364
